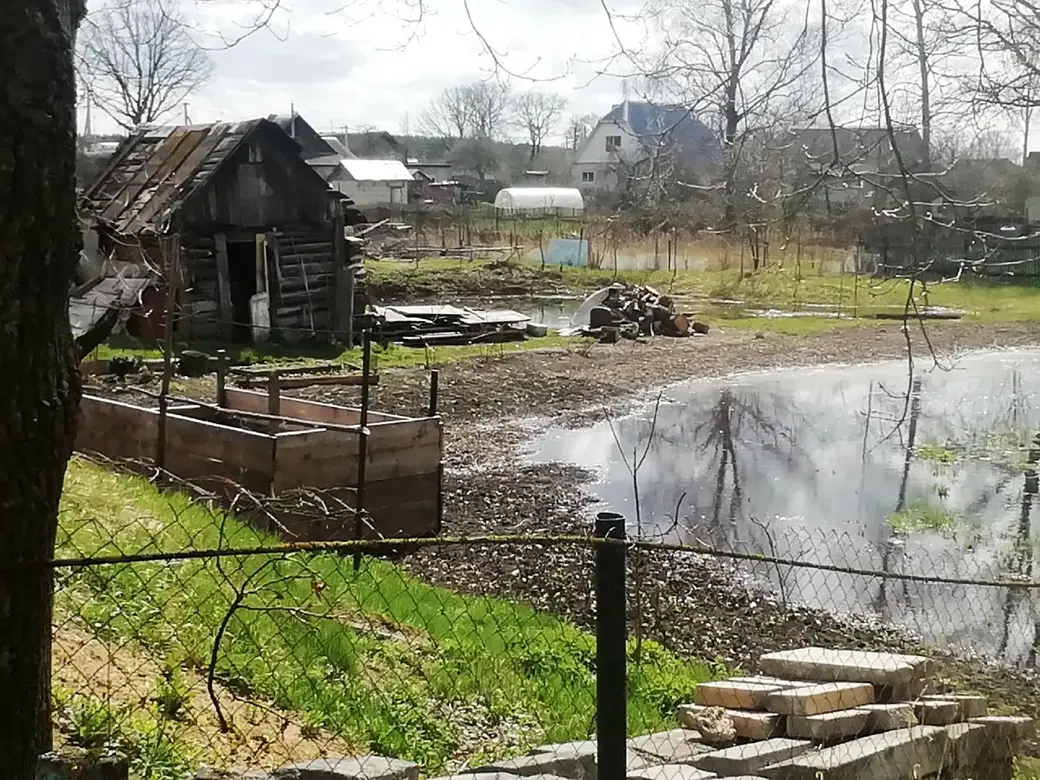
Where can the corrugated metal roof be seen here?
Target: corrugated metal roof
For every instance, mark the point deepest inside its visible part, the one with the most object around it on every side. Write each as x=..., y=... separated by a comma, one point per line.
x=376, y=170
x=156, y=169
x=114, y=292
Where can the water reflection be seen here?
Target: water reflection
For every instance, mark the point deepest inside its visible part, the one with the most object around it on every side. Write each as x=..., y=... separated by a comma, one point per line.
x=857, y=467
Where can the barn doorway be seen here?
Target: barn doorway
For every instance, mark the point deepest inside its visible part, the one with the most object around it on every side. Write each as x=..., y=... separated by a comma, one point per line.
x=242, y=280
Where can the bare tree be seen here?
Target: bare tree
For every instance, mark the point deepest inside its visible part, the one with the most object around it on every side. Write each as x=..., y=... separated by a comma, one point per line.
x=488, y=106
x=139, y=60
x=448, y=115
x=538, y=114
x=580, y=127
x=737, y=61
x=40, y=239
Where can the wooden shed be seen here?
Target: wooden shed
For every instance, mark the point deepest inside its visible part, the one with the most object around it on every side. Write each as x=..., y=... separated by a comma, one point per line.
x=253, y=236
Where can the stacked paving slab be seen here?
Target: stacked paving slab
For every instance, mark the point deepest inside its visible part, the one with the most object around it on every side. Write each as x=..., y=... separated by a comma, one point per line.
x=811, y=714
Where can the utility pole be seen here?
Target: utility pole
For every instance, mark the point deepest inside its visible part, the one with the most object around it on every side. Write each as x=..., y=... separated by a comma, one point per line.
x=186, y=120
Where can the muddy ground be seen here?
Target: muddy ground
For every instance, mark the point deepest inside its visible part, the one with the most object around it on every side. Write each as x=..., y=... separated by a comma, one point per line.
x=693, y=606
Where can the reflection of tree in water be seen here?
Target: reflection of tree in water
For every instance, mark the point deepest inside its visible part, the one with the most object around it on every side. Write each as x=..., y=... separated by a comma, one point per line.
x=734, y=433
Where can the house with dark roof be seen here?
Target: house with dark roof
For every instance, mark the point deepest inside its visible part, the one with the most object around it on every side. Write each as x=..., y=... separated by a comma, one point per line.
x=255, y=233
x=632, y=136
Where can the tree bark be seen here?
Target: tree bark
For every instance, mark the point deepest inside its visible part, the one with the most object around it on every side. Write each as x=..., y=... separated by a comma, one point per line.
x=39, y=245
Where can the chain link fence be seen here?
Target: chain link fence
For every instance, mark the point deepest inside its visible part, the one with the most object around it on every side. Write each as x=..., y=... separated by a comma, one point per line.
x=185, y=637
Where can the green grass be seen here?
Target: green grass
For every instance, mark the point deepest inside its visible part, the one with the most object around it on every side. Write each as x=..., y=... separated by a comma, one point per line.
x=921, y=516
x=1027, y=768
x=936, y=453
x=375, y=657
x=392, y=356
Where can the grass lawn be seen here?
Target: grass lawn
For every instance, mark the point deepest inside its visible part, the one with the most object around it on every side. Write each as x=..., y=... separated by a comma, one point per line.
x=376, y=659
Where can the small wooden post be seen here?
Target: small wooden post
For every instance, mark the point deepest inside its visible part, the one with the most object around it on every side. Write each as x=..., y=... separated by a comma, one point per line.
x=171, y=249
x=221, y=378
x=359, y=507
x=274, y=397
x=435, y=376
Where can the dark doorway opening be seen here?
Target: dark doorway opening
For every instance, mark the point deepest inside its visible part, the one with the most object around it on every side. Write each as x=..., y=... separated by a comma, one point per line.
x=242, y=279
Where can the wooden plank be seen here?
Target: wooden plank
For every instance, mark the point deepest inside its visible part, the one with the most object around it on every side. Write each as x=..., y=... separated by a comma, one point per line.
x=227, y=314
x=313, y=411
x=295, y=382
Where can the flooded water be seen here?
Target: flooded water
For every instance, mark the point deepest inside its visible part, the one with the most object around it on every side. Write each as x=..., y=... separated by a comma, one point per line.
x=856, y=467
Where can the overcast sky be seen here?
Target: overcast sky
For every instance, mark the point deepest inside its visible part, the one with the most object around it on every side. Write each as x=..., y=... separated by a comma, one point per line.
x=371, y=65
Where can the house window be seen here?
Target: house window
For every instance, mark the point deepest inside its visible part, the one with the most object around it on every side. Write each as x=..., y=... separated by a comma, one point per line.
x=613, y=143
x=587, y=177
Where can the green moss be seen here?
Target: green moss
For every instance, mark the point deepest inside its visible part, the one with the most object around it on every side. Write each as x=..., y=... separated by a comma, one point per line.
x=921, y=516
x=936, y=453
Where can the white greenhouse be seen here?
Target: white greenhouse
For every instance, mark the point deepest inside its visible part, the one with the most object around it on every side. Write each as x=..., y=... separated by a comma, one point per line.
x=565, y=201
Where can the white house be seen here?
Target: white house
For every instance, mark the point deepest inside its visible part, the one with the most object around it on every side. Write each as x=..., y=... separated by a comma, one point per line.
x=630, y=134
x=373, y=182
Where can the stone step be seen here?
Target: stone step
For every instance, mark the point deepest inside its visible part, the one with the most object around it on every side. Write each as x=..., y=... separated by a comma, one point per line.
x=971, y=705
x=822, y=665
x=734, y=695
x=937, y=712
x=819, y=699
x=889, y=717
x=828, y=727
x=893, y=754
x=746, y=759
x=671, y=772
x=1008, y=730
x=349, y=768
x=777, y=681
x=669, y=747
x=572, y=760
x=746, y=723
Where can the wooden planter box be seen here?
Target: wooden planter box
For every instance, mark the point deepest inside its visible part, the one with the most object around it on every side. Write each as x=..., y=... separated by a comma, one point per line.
x=220, y=450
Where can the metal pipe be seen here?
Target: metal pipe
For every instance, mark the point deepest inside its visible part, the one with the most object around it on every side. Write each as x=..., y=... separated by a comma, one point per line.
x=611, y=695
x=435, y=377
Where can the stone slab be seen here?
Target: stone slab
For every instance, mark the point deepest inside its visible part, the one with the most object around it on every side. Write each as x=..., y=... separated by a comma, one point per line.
x=572, y=760
x=818, y=699
x=828, y=726
x=1008, y=728
x=888, y=717
x=733, y=695
x=971, y=705
x=823, y=665
x=78, y=764
x=677, y=746
x=349, y=768
x=937, y=712
x=747, y=723
x=497, y=776
x=745, y=759
x=671, y=772
x=894, y=754
x=573, y=764
x=777, y=681
x=205, y=772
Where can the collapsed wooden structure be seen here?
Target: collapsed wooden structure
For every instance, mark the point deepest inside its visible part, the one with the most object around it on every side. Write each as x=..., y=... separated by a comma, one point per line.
x=251, y=236
x=308, y=445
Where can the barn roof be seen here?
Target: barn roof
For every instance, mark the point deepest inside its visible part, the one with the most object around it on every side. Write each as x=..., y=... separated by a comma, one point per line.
x=156, y=169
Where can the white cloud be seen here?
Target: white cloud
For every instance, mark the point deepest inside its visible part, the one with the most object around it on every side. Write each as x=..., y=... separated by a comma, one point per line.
x=369, y=64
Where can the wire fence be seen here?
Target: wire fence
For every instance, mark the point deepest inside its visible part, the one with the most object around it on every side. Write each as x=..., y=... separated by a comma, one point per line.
x=192, y=631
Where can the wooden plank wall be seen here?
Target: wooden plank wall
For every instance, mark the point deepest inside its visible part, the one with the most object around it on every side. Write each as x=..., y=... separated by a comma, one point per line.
x=200, y=293
x=303, y=291
x=312, y=411
x=196, y=450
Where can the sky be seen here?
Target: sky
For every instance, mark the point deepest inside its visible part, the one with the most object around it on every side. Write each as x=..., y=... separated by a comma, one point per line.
x=372, y=65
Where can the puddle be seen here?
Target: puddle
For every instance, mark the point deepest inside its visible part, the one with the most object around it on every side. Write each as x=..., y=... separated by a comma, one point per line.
x=813, y=465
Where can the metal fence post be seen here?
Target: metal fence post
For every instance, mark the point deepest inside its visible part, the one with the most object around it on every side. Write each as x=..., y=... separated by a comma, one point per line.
x=611, y=696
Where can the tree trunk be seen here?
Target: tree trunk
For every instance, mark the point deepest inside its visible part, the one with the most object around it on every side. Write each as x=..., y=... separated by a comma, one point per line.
x=926, y=91
x=39, y=244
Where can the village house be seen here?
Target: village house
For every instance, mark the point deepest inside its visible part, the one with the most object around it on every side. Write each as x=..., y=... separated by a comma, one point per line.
x=252, y=235
x=631, y=135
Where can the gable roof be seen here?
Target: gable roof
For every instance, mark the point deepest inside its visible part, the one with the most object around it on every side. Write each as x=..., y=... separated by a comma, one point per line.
x=675, y=122
x=157, y=169
x=376, y=170
x=312, y=143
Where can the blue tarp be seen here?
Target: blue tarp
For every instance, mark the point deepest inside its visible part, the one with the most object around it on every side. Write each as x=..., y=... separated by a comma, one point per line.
x=567, y=251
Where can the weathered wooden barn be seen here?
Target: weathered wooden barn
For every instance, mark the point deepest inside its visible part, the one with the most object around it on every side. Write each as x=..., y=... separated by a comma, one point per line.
x=251, y=234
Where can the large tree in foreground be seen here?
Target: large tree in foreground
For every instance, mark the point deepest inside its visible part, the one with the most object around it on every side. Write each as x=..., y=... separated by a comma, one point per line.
x=39, y=245
x=139, y=61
